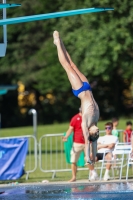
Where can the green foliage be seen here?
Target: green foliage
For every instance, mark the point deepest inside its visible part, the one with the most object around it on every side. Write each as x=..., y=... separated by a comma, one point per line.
x=100, y=44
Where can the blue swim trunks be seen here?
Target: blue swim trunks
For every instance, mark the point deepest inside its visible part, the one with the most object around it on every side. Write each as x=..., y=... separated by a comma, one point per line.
x=85, y=86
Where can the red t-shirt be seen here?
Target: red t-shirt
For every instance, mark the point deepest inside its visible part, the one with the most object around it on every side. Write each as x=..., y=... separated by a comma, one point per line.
x=78, y=133
x=128, y=133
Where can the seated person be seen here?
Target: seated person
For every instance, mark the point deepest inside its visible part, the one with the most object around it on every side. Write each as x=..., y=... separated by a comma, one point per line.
x=128, y=132
x=106, y=145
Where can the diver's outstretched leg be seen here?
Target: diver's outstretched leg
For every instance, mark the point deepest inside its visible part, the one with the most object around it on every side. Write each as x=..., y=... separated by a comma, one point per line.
x=74, y=79
x=82, y=76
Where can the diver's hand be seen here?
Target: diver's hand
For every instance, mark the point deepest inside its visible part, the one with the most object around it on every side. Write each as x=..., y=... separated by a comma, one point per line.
x=90, y=162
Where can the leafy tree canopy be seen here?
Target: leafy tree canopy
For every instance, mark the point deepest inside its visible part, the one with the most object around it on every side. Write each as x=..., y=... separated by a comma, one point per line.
x=100, y=44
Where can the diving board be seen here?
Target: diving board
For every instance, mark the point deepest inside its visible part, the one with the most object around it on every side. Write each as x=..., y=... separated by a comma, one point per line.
x=8, y=5
x=31, y=18
x=2, y=92
x=4, y=88
x=8, y=87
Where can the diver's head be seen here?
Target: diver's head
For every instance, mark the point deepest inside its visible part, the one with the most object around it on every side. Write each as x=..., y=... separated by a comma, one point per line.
x=93, y=133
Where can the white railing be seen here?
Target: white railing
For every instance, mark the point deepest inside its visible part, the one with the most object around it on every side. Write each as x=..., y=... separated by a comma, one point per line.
x=52, y=156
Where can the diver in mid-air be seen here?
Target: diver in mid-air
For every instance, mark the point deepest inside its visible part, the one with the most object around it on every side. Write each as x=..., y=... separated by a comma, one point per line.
x=81, y=89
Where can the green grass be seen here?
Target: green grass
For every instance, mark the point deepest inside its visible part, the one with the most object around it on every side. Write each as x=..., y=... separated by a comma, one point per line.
x=41, y=130
x=46, y=129
x=38, y=176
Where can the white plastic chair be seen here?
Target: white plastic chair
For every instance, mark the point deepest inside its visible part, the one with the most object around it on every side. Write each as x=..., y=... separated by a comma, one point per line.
x=123, y=150
x=130, y=162
x=120, y=149
x=103, y=166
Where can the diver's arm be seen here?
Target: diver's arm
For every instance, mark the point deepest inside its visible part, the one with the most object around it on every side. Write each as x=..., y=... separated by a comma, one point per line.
x=87, y=142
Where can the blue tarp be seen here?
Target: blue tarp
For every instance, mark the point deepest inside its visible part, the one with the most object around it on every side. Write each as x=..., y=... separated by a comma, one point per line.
x=12, y=158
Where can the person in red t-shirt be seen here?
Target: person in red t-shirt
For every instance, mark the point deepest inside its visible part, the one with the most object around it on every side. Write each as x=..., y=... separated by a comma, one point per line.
x=128, y=132
x=78, y=141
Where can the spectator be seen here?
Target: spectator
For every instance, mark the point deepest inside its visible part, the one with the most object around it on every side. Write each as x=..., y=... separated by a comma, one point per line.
x=115, y=122
x=106, y=145
x=128, y=132
x=78, y=141
x=115, y=132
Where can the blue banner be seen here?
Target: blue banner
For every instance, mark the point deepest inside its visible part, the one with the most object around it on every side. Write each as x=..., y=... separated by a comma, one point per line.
x=12, y=158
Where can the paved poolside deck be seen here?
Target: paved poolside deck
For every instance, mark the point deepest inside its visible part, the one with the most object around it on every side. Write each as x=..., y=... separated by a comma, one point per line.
x=66, y=182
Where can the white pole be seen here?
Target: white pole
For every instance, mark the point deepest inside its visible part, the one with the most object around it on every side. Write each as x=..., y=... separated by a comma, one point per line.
x=33, y=111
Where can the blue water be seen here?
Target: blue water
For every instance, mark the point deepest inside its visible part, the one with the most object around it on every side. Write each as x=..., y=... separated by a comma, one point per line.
x=98, y=191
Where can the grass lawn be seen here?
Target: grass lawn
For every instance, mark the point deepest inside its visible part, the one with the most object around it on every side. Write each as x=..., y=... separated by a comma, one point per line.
x=38, y=175
x=46, y=129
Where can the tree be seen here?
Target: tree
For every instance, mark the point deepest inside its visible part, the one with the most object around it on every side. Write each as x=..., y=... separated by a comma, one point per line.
x=99, y=43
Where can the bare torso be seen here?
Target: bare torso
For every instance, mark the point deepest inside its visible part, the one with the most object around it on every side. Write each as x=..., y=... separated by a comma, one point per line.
x=90, y=110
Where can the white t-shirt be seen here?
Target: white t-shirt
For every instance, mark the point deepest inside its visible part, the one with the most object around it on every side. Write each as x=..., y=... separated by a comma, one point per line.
x=107, y=139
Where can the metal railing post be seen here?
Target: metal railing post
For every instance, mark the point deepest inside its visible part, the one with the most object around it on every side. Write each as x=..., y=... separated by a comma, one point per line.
x=33, y=111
